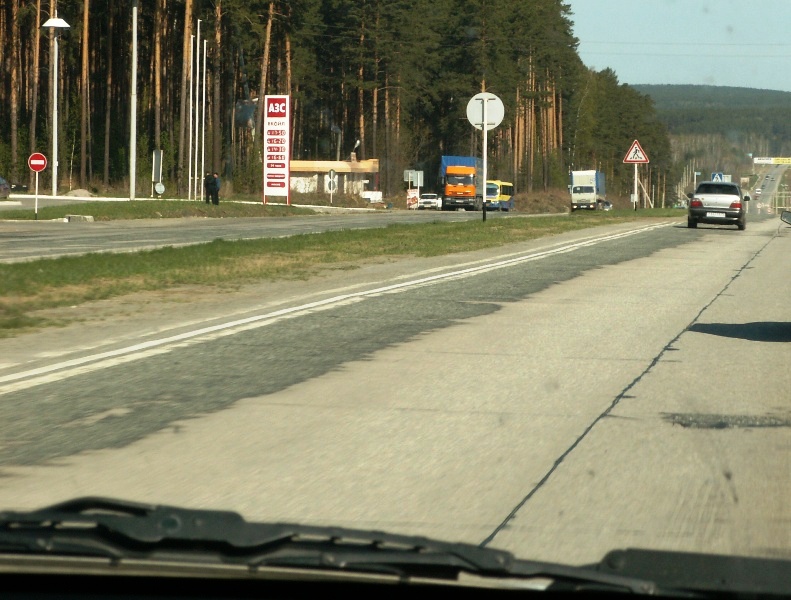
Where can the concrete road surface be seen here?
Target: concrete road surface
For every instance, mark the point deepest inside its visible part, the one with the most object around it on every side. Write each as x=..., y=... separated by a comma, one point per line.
x=624, y=386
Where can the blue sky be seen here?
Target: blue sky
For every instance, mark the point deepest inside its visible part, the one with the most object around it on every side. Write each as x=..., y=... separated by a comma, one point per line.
x=745, y=43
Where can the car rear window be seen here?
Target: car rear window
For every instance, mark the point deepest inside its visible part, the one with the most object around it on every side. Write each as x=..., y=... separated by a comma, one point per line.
x=717, y=188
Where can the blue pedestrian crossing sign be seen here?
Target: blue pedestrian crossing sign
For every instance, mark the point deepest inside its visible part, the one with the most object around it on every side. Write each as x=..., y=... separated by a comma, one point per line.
x=717, y=177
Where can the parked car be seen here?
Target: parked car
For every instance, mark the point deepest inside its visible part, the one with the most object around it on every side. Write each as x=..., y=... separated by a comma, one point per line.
x=719, y=203
x=429, y=201
x=5, y=188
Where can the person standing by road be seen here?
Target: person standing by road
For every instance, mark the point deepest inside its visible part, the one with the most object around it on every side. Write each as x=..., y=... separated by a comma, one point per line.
x=208, y=186
x=215, y=196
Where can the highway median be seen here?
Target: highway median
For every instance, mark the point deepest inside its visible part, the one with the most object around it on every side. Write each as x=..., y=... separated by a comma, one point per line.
x=29, y=287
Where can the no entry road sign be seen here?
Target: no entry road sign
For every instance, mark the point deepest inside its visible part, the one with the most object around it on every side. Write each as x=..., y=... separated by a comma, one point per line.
x=37, y=162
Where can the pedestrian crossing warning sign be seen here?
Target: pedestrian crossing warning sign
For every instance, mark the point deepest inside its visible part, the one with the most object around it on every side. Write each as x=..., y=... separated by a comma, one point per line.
x=636, y=154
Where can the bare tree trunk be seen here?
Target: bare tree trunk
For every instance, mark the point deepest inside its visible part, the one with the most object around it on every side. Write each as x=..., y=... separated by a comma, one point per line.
x=560, y=122
x=159, y=24
x=361, y=96
x=108, y=99
x=344, y=120
x=229, y=117
x=288, y=91
x=516, y=141
x=84, y=95
x=288, y=64
x=217, y=80
x=374, y=118
x=91, y=88
x=14, y=89
x=531, y=128
x=259, y=118
x=545, y=136
x=34, y=103
x=375, y=94
x=184, y=72
x=361, y=119
x=167, y=60
x=398, y=118
x=386, y=182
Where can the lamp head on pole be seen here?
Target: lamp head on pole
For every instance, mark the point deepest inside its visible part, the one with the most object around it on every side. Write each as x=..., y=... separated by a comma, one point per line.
x=55, y=23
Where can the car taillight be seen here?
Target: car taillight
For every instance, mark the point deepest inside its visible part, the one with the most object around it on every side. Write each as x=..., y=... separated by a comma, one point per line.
x=736, y=205
x=696, y=203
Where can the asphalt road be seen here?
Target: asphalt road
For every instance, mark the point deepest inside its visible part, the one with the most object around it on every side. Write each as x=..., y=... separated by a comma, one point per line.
x=28, y=240
x=626, y=386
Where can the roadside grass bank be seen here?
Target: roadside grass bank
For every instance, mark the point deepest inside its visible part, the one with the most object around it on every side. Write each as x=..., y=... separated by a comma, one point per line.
x=28, y=287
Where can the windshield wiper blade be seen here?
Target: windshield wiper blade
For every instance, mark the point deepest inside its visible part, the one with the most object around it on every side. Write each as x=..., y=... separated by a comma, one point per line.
x=706, y=573
x=134, y=528
x=121, y=530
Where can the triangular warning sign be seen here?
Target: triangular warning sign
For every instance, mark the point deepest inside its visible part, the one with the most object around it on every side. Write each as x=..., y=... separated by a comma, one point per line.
x=635, y=154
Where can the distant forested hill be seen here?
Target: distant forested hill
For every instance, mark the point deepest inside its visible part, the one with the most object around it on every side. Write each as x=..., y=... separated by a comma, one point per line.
x=758, y=120
x=681, y=97
x=719, y=128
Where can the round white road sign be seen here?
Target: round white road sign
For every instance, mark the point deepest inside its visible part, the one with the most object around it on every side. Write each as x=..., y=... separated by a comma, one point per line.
x=494, y=109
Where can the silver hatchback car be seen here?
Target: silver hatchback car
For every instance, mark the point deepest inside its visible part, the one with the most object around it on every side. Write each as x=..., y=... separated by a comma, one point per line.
x=718, y=203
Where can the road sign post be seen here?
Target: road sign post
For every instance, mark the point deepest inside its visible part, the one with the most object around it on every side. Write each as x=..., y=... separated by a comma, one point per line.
x=332, y=184
x=635, y=156
x=485, y=111
x=37, y=163
x=277, y=147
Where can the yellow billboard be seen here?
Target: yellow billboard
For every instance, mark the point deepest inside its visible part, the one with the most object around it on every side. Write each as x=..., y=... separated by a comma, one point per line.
x=772, y=160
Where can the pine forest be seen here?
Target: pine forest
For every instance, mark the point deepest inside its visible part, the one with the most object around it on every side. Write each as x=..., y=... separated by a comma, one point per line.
x=395, y=75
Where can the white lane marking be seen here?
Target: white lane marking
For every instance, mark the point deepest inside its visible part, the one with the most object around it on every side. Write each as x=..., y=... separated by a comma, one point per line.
x=78, y=366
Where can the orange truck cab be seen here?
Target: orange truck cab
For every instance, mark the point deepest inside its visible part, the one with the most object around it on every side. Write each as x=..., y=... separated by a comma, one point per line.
x=460, y=182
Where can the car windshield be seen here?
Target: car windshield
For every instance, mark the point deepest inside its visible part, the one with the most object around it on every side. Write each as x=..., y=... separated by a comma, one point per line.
x=460, y=179
x=223, y=286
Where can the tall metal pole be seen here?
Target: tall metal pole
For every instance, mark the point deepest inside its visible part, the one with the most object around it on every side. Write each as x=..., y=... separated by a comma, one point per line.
x=198, y=176
x=133, y=108
x=54, y=24
x=189, y=137
x=203, y=120
x=485, y=152
x=55, y=116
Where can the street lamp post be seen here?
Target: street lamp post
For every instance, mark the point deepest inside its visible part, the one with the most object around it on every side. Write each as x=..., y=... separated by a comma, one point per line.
x=55, y=24
x=133, y=109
